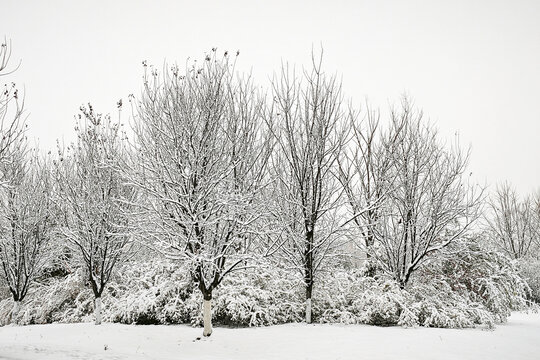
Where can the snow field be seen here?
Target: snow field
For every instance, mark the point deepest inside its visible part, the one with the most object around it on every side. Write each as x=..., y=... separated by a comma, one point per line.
x=517, y=339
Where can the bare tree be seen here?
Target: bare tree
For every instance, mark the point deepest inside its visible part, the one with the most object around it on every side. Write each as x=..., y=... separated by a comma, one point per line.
x=430, y=202
x=308, y=128
x=202, y=155
x=11, y=108
x=366, y=177
x=512, y=223
x=24, y=194
x=25, y=222
x=96, y=201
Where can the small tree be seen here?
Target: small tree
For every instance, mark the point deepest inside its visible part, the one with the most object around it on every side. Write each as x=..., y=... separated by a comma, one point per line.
x=25, y=222
x=95, y=199
x=308, y=127
x=512, y=224
x=202, y=155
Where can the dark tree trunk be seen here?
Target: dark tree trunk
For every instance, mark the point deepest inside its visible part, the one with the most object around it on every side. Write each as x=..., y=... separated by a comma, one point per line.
x=308, y=275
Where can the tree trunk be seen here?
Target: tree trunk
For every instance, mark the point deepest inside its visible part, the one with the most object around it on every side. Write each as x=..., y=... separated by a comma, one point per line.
x=308, y=276
x=308, y=311
x=309, y=289
x=371, y=266
x=207, y=314
x=15, y=311
x=97, y=310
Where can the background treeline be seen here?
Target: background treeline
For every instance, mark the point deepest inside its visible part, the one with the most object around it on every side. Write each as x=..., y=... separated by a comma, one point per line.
x=263, y=206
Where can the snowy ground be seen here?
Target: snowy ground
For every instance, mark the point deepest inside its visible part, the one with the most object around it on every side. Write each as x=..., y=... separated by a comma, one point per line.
x=518, y=339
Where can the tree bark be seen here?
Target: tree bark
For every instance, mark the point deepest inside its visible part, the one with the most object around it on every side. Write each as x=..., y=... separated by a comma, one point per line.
x=308, y=276
x=97, y=310
x=371, y=265
x=15, y=311
x=308, y=311
x=309, y=289
x=207, y=315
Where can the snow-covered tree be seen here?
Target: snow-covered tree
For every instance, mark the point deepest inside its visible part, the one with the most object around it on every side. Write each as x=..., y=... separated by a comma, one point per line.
x=307, y=124
x=24, y=194
x=12, y=124
x=202, y=155
x=26, y=221
x=430, y=203
x=96, y=200
x=366, y=177
x=513, y=223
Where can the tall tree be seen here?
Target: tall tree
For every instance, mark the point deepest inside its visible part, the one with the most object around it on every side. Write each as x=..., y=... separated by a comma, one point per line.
x=307, y=124
x=366, y=177
x=202, y=154
x=96, y=199
x=430, y=203
x=24, y=193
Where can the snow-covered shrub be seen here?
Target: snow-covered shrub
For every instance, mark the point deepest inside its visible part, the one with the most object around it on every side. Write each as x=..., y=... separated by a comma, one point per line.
x=151, y=292
x=530, y=272
x=353, y=298
x=380, y=304
x=160, y=292
x=436, y=304
x=482, y=284
x=62, y=299
x=258, y=297
x=466, y=286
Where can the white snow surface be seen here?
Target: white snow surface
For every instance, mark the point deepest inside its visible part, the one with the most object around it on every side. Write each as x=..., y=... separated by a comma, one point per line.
x=517, y=339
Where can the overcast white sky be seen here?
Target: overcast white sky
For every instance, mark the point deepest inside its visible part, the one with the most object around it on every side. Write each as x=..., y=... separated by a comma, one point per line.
x=473, y=66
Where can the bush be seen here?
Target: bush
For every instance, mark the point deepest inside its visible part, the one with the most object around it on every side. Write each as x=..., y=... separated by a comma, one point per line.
x=57, y=300
x=259, y=297
x=151, y=293
x=486, y=281
x=164, y=294
x=382, y=302
x=351, y=298
x=465, y=286
x=530, y=271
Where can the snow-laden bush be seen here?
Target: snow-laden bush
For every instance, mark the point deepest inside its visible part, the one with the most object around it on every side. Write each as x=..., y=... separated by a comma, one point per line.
x=259, y=297
x=352, y=298
x=466, y=286
x=59, y=299
x=530, y=272
x=142, y=293
x=162, y=293
x=481, y=275
x=436, y=304
x=382, y=302
x=153, y=292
